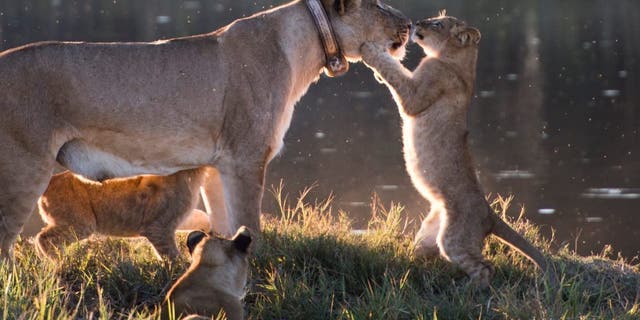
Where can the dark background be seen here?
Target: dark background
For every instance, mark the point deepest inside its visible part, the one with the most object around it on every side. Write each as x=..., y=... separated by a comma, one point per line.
x=554, y=121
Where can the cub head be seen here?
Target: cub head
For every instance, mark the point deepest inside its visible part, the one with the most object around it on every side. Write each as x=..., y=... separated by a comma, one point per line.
x=229, y=254
x=445, y=34
x=358, y=21
x=216, y=278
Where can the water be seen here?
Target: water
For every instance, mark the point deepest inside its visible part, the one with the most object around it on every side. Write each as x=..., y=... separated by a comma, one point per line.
x=554, y=120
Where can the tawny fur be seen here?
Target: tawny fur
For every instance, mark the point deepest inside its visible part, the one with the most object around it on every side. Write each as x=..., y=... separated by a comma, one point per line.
x=74, y=208
x=107, y=110
x=215, y=279
x=433, y=101
x=196, y=220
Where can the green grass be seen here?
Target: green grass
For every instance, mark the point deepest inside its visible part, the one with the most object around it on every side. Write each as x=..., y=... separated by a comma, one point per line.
x=309, y=265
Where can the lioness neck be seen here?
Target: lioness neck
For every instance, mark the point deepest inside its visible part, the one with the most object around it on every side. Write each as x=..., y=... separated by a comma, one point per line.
x=301, y=45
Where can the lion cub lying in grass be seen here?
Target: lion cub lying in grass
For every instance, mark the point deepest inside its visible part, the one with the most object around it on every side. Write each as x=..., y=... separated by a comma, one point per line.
x=150, y=206
x=215, y=279
x=433, y=102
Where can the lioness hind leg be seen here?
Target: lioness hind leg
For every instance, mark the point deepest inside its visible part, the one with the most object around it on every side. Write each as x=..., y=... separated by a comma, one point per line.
x=463, y=247
x=13, y=215
x=21, y=183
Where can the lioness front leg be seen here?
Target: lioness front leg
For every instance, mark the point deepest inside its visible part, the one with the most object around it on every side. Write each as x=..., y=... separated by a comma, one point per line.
x=243, y=187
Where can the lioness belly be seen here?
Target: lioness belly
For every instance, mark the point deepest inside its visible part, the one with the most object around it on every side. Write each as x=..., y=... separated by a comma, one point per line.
x=122, y=158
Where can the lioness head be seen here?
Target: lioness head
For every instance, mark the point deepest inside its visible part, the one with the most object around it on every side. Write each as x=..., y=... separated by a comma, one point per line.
x=445, y=33
x=358, y=21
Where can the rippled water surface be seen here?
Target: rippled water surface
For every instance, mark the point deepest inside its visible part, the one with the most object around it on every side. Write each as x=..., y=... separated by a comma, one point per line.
x=554, y=121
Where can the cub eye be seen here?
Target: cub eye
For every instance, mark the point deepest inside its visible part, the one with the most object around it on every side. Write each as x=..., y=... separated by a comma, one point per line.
x=437, y=25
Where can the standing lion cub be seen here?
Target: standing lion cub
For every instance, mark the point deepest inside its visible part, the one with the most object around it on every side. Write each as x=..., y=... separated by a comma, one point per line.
x=433, y=102
x=150, y=206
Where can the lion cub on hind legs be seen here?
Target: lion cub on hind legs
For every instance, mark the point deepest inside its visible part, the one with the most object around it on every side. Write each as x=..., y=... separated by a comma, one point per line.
x=433, y=102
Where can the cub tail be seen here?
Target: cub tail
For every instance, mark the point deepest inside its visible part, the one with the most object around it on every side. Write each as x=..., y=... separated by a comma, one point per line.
x=509, y=236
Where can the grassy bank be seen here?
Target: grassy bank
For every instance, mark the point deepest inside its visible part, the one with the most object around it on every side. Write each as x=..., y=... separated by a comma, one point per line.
x=310, y=265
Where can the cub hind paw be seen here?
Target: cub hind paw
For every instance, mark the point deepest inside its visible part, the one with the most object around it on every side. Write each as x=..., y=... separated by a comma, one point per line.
x=425, y=251
x=482, y=274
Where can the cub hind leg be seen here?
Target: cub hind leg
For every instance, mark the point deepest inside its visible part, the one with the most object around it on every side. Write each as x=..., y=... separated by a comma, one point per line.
x=425, y=242
x=212, y=193
x=461, y=242
x=163, y=241
x=52, y=239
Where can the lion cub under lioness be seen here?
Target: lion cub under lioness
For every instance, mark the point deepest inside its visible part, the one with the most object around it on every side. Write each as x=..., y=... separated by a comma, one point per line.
x=150, y=206
x=433, y=102
x=215, y=279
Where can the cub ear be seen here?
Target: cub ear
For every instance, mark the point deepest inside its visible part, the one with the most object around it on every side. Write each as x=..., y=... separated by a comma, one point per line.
x=242, y=239
x=193, y=239
x=469, y=36
x=342, y=6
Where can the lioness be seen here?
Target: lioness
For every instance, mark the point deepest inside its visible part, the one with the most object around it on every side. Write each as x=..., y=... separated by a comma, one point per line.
x=223, y=99
x=150, y=206
x=433, y=101
x=215, y=279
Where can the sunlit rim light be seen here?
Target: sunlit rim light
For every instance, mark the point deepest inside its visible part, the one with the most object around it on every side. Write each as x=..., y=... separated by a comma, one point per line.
x=431, y=53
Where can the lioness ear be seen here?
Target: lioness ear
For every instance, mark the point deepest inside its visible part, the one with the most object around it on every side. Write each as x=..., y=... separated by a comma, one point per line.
x=469, y=36
x=193, y=239
x=242, y=239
